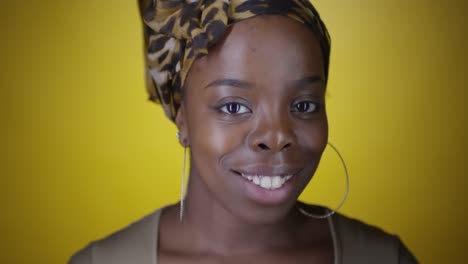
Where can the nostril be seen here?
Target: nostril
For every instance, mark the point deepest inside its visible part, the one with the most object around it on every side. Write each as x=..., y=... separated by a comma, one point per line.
x=287, y=146
x=263, y=146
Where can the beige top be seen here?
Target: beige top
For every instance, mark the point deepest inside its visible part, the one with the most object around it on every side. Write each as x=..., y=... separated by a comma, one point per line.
x=353, y=242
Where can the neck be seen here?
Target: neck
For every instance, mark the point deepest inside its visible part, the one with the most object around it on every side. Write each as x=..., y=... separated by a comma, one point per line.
x=211, y=226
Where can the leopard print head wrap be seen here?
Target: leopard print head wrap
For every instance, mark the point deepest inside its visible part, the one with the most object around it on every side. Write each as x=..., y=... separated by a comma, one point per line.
x=177, y=32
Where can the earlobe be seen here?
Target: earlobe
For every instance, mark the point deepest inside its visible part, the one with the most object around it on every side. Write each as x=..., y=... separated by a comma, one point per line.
x=181, y=124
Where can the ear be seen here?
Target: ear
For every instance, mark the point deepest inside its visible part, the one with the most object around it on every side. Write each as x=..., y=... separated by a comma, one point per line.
x=181, y=123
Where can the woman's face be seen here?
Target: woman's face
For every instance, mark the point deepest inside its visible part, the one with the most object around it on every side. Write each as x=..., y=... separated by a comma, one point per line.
x=254, y=117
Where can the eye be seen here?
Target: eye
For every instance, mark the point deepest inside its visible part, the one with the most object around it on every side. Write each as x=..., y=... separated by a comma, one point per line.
x=305, y=107
x=234, y=109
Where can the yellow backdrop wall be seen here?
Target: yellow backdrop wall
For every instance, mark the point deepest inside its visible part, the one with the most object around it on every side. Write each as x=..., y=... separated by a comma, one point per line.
x=84, y=153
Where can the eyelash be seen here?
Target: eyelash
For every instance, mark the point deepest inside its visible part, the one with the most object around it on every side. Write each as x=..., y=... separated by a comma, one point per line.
x=234, y=108
x=227, y=108
x=309, y=104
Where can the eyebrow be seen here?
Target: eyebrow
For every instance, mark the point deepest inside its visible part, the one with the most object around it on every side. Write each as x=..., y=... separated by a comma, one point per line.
x=314, y=79
x=246, y=85
x=230, y=82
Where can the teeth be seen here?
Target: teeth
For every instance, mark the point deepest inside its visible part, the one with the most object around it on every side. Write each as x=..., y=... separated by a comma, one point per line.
x=265, y=182
x=276, y=182
x=268, y=182
x=256, y=180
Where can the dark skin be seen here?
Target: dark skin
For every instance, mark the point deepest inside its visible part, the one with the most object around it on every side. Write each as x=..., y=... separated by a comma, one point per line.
x=255, y=104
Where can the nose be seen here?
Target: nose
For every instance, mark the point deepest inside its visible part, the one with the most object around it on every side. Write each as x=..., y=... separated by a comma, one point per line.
x=273, y=134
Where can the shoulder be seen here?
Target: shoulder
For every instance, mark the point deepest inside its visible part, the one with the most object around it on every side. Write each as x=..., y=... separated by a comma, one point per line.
x=368, y=244
x=133, y=242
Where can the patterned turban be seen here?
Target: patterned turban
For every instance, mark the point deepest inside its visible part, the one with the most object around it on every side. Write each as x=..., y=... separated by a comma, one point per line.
x=177, y=32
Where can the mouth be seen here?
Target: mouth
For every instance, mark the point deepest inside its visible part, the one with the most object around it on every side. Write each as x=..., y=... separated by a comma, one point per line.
x=268, y=185
x=267, y=182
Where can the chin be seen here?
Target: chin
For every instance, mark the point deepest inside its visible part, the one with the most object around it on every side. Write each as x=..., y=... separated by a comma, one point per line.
x=264, y=215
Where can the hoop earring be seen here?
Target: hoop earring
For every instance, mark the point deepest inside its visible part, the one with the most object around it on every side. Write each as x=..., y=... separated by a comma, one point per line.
x=330, y=213
x=182, y=183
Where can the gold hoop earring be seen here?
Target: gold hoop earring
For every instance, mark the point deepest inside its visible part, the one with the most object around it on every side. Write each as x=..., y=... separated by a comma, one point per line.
x=182, y=183
x=332, y=212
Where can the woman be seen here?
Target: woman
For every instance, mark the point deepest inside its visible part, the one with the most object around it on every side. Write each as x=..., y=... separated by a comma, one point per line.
x=244, y=81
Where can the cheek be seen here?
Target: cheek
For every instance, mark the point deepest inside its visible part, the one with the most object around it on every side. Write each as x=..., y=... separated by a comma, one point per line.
x=212, y=141
x=314, y=136
x=215, y=140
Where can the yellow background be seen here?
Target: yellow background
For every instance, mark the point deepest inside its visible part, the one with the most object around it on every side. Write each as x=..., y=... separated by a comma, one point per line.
x=84, y=153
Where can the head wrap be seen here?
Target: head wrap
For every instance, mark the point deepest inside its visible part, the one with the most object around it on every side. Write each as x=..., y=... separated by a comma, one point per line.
x=177, y=32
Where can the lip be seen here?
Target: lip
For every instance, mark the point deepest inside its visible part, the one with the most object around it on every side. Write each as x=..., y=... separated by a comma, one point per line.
x=263, y=196
x=262, y=170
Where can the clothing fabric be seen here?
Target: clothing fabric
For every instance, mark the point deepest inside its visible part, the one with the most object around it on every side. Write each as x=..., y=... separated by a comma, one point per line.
x=177, y=32
x=354, y=243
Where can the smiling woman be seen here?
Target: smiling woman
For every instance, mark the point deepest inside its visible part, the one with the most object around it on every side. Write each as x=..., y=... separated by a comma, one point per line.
x=256, y=125
x=245, y=82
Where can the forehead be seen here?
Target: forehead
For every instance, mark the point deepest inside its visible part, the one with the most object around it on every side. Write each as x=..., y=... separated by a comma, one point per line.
x=274, y=46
